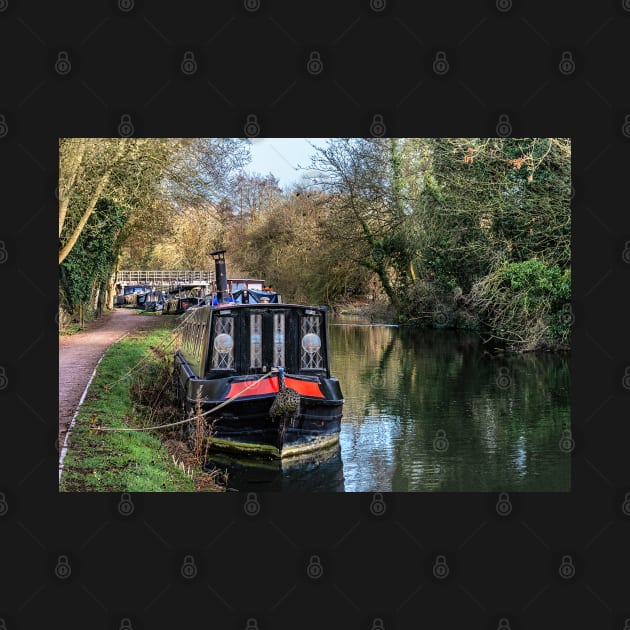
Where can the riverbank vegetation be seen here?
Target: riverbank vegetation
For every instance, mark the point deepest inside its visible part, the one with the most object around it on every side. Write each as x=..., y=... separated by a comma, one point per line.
x=132, y=389
x=470, y=233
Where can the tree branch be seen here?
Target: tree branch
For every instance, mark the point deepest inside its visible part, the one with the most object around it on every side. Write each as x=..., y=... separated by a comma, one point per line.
x=96, y=195
x=64, y=192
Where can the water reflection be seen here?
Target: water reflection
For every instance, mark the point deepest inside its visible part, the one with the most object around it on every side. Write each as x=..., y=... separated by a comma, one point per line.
x=314, y=472
x=432, y=410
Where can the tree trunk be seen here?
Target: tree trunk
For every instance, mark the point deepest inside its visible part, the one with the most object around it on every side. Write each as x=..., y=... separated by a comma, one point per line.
x=103, y=181
x=387, y=287
x=381, y=271
x=99, y=300
x=64, y=194
x=111, y=292
x=94, y=294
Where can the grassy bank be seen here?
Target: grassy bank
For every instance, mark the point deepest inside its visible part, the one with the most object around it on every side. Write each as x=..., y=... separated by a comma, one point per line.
x=131, y=461
x=70, y=329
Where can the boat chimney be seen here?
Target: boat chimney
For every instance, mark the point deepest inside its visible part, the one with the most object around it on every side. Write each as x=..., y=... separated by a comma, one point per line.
x=220, y=274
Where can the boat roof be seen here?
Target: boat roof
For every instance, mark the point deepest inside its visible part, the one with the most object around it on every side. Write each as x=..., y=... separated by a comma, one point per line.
x=279, y=305
x=246, y=280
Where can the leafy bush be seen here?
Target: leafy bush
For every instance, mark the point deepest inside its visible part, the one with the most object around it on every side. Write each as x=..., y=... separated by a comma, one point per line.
x=528, y=303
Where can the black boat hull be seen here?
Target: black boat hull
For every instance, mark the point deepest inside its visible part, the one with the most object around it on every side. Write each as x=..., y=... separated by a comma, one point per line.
x=245, y=425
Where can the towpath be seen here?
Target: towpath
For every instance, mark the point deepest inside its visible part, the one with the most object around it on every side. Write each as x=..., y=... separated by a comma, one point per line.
x=79, y=354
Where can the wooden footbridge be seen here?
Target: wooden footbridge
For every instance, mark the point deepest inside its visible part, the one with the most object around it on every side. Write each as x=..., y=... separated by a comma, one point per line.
x=164, y=278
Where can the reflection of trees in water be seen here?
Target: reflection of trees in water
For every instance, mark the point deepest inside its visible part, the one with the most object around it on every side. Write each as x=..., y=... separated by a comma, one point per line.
x=361, y=359
x=362, y=356
x=502, y=415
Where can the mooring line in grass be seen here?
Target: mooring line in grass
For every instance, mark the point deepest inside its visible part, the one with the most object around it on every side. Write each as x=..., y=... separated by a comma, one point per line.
x=141, y=363
x=145, y=361
x=98, y=428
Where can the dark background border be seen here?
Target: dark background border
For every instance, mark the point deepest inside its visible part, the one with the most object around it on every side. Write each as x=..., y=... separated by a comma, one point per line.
x=503, y=59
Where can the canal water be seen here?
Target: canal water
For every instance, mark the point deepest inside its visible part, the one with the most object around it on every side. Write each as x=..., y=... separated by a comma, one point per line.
x=434, y=411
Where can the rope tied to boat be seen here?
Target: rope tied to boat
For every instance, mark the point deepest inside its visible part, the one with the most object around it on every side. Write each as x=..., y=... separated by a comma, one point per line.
x=225, y=403
x=286, y=404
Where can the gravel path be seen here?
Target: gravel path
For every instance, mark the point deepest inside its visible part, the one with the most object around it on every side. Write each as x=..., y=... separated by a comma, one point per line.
x=79, y=354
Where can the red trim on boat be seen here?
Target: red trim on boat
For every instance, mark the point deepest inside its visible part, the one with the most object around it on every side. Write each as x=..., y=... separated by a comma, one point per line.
x=270, y=386
x=305, y=388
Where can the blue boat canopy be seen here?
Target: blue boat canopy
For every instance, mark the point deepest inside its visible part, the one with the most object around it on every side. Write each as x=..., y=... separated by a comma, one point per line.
x=250, y=296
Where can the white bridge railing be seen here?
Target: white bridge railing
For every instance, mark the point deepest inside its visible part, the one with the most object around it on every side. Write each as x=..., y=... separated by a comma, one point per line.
x=162, y=277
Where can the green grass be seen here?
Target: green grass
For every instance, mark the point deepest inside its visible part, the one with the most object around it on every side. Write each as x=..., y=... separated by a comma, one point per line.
x=70, y=329
x=125, y=461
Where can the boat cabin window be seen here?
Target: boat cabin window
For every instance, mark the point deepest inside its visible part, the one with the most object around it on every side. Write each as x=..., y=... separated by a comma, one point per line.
x=278, y=339
x=255, y=340
x=223, y=351
x=311, y=357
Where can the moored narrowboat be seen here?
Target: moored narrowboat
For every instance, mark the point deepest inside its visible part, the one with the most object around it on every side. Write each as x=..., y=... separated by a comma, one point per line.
x=178, y=304
x=264, y=366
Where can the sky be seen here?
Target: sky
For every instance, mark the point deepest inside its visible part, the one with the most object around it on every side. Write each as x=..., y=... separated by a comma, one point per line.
x=281, y=156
